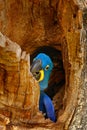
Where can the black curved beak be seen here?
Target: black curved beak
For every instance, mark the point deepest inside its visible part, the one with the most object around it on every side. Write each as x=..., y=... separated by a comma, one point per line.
x=35, y=69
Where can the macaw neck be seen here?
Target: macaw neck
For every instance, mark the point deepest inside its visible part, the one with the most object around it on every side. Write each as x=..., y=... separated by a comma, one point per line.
x=44, y=83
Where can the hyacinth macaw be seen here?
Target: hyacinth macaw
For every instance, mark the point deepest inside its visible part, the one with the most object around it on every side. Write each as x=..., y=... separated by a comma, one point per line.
x=41, y=69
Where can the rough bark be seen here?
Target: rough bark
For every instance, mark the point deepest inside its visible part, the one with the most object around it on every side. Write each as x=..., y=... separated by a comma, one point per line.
x=79, y=121
x=33, y=25
x=18, y=100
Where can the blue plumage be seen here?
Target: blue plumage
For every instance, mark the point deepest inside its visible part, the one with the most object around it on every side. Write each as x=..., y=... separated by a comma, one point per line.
x=41, y=68
x=46, y=61
x=46, y=106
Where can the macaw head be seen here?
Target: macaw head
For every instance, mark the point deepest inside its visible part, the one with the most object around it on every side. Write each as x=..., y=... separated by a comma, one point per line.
x=41, y=69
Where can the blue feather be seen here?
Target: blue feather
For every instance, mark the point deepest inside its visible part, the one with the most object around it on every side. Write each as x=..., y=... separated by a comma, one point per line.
x=46, y=106
x=45, y=61
x=45, y=103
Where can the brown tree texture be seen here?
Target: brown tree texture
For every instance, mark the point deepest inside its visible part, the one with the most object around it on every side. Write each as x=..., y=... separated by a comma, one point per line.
x=58, y=28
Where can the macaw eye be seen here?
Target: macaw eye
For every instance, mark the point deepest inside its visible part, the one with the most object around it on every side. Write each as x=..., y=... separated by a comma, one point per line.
x=47, y=67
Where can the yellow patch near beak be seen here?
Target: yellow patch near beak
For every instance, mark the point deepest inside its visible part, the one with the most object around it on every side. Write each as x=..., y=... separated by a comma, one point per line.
x=41, y=76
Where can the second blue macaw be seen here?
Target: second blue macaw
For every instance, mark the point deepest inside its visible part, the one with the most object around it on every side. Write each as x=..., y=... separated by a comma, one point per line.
x=41, y=69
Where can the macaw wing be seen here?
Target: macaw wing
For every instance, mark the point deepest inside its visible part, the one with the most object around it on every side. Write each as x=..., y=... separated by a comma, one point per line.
x=46, y=106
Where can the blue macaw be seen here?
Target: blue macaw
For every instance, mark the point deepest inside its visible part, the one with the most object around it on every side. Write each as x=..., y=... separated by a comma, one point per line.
x=41, y=69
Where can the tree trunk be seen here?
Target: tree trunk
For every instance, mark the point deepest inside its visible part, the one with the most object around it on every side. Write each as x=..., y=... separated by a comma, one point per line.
x=79, y=120
x=57, y=28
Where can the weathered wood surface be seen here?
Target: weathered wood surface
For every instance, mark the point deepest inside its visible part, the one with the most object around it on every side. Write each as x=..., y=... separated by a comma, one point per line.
x=79, y=120
x=33, y=24
x=19, y=92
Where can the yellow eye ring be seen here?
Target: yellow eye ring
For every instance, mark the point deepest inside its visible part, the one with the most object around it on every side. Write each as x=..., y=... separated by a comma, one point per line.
x=47, y=67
